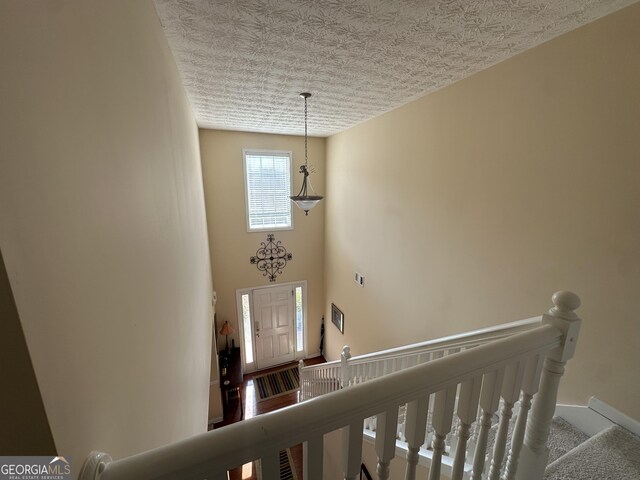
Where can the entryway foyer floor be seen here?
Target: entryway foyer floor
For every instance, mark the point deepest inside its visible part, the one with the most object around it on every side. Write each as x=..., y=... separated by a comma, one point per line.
x=233, y=413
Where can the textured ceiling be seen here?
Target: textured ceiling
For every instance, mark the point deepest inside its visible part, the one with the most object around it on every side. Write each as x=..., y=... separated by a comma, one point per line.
x=243, y=62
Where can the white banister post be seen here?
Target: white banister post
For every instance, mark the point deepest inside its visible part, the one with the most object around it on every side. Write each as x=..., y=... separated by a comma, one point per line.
x=312, y=457
x=489, y=401
x=530, y=386
x=444, y=405
x=344, y=366
x=467, y=407
x=387, y=424
x=352, y=449
x=94, y=465
x=535, y=453
x=416, y=429
x=510, y=391
x=302, y=389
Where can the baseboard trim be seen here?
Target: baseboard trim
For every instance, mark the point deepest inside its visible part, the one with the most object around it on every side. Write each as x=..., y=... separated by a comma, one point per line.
x=583, y=418
x=616, y=416
x=596, y=417
x=314, y=355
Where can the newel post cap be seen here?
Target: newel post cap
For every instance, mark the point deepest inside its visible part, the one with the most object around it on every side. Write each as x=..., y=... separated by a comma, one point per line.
x=346, y=352
x=565, y=303
x=563, y=317
x=94, y=465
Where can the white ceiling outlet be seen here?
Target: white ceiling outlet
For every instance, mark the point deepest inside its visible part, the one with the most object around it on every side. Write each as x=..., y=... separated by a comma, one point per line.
x=243, y=63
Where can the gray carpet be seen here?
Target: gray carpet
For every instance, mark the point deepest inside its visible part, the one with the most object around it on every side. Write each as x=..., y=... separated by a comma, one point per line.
x=613, y=454
x=563, y=437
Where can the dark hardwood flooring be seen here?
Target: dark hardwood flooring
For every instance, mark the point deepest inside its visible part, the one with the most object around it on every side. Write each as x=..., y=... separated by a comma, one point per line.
x=249, y=403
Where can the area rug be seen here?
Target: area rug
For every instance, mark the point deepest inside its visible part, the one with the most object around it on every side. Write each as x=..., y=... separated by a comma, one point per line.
x=287, y=470
x=277, y=383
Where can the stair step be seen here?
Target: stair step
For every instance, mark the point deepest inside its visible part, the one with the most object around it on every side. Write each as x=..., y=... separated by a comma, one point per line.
x=613, y=454
x=563, y=437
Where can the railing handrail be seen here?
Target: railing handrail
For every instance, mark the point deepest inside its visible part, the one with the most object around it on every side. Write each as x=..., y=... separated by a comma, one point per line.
x=487, y=334
x=196, y=457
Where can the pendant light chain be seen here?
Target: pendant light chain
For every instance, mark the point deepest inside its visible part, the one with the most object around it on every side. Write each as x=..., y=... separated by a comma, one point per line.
x=305, y=131
x=305, y=201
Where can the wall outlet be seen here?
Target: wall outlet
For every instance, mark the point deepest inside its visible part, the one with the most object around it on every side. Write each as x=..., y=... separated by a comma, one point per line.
x=359, y=278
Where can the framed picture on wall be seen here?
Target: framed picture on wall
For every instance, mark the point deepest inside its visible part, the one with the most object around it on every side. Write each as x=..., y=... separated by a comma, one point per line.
x=337, y=317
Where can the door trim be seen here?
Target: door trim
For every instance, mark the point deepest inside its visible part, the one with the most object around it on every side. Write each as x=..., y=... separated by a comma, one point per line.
x=248, y=368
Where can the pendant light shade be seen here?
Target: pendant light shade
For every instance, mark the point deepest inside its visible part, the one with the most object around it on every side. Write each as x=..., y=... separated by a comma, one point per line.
x=303, y=199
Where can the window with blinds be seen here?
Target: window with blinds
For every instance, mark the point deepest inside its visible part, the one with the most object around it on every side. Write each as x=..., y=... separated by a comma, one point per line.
x=268, y=188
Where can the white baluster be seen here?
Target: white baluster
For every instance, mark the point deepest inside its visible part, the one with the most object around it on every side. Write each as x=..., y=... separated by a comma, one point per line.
x=489, y=400
x=475, y=428
x=351, y=450
x=388, y=366
x=535, y=453
x=387, y=423
x=312, y=458
x=452, y=351
x=344, y=365
x=328, y=381
x=529, y=388
x=301, y=375
x=442, y=419
x=315, y=383
x=332, y=379
x=416, y=426
x=312, y=384
x=412, y=360
x=270, y=465
x=467, y=410
x=510, y=390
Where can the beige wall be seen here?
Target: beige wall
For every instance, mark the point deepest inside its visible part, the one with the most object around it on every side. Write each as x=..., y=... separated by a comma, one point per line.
x=472, y=205
x=102, y=223
x=231, y=245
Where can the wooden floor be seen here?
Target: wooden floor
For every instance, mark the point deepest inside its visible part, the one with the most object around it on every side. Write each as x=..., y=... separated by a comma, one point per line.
x=251, y=407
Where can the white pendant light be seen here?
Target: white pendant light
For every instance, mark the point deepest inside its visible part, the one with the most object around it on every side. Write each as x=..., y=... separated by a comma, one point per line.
x=303, y=200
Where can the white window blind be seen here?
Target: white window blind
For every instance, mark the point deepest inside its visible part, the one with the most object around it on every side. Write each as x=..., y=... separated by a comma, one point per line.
x=268, y=188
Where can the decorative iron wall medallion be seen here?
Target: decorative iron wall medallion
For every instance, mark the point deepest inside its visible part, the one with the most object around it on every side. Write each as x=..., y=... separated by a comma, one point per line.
x=271, y=258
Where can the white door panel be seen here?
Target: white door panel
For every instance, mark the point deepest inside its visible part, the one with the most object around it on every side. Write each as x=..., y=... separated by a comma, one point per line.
x=273, y=326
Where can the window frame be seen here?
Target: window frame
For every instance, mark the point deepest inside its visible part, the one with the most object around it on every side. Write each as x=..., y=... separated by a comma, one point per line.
x=265, y=152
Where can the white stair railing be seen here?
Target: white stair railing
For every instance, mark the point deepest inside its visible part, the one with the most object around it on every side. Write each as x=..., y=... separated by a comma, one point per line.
x=326, y=377
x=480, y=375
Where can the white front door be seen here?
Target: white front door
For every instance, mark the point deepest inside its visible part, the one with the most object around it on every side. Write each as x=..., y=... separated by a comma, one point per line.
x=274, y=329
